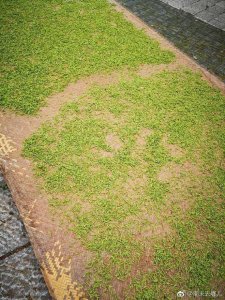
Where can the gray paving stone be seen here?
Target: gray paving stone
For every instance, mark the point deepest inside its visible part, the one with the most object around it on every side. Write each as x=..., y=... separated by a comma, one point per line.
x=211, y=13
x=221, y=18
x=205, y=10
x=188, y=2
x=216, y=9
x=218, y=22
x=196, y=7
x=20, y=274
x=21, y=279
x=221, y=4
x=12, y=231
x=206, y=16
x=174, y=3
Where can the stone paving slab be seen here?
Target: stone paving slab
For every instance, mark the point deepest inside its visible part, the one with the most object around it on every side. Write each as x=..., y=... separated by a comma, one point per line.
x=209, y=11
x=219, y=22
x=207, y=16
x=12, y=231
x=195, y=7
x=201, y=41
x=221, y=4
x=20, y=277
x=20, y=274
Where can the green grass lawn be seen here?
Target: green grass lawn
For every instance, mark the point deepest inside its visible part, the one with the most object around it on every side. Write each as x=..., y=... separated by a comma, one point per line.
x=137, y=168
x=47, y=44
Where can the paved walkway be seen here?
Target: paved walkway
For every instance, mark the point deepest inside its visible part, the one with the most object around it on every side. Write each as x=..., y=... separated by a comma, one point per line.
x=201, y=41
x=20, y=274
x=209, y=11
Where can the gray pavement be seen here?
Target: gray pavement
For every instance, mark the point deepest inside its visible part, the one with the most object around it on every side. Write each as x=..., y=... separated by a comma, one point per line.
x=20, y=274
x=209, y=11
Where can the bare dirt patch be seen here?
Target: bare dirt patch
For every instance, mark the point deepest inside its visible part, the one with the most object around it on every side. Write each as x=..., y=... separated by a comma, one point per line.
x=102, y=153
x=147, y=70
x=174, y=150
x=144, y=264
x=141, y=140
x=106, y=116
x=172, y=170
x=155, y=226
x=140, y=144
x=137, y=180
x=114, y=142
x=135, y=185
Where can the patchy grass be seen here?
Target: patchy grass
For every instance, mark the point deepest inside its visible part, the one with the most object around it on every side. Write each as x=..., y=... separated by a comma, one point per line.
x=47, y=44
x=138, y=168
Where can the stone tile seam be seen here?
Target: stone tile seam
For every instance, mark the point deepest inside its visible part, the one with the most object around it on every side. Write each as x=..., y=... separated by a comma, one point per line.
x=198, y=12
x=14, y=251
x=195, y=15
x=214, y=18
